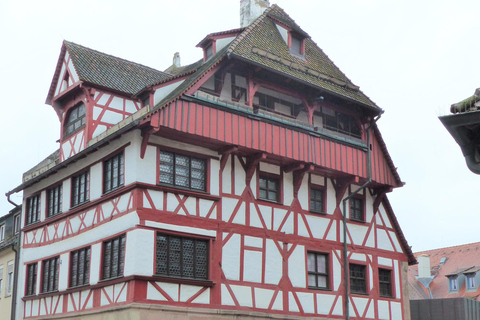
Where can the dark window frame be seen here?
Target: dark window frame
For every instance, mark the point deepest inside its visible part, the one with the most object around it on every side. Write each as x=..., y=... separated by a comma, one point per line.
x=358, y=278
x=80, y=186
x=167, y=178
x=269, y=178
x=50, y=274
x=77, y=123
x=313, y=199
x=198, y=272
x=385, y=283
x=113, y=177
x=317, y=273
x=80, y=267
x=17, y=223
x=113, y=264
x=54, y=200
x=32, y=214
x=31, y=279
x=357, y=208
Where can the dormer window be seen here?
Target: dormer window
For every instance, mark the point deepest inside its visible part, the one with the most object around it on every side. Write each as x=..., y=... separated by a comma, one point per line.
x=453, y=282
x=297, y=45
x=75, y=120
x=471, y=281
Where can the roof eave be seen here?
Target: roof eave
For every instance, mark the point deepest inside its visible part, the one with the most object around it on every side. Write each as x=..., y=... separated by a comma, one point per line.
x=375, y=109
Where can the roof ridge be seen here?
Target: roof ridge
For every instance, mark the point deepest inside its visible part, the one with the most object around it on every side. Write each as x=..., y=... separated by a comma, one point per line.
x=109, y=55
x=450, y=247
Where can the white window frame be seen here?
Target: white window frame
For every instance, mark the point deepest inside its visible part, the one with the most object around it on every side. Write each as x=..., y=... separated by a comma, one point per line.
x=2, y=232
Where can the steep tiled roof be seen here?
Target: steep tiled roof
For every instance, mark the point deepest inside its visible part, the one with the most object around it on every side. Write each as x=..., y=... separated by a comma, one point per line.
x=107, y=71
x=111, y=72
x=462, y=259
x=262, y=44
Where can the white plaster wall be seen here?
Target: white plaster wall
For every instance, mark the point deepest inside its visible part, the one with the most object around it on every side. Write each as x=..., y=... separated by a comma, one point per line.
x=96, y=181
x=303, y=194
x=357, y=233
x=368, y=207
x=227, y=87
x=146, y=168
x=331, y=198
x=271, y=168
x=63, y=271
x=95, y=262
x=273, y=263
x=100, y=232
x=66, y=194
x=140, y=249
x=227, y=177
x=296, y=267
x=288, y=188
x=215, y=177
x=231, y=257
x=162, y=92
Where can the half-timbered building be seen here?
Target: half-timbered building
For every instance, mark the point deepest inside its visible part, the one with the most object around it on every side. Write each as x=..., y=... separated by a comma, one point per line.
x=251, y=183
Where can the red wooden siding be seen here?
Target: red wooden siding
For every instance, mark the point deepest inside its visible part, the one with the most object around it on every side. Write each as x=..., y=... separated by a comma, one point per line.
x=275, y=139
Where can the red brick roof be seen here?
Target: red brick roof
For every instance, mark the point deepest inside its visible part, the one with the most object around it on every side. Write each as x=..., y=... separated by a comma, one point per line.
x=461, y=260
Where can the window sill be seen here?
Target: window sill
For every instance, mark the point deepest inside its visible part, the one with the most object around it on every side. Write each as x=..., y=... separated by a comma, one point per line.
x=356, y=221
x=318, y=288
x=361, y=293
x=105, y=193
x=198, y=282
x=387, y=297
x=269, y=201
x=79, y=205
x=188, y=192
x=318, y=212
x=78, y=288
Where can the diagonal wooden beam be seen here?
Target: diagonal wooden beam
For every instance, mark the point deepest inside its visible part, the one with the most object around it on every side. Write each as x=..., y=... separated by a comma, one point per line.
x=225, y=152
x=298, y=177
x=147, y=131
x=252, y=162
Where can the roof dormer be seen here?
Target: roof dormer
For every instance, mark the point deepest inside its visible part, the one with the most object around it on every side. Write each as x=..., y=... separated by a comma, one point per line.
x=294, y=39
x=215, y=42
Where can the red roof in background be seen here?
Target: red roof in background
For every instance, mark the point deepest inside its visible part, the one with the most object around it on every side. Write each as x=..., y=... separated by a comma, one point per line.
x=461, y=260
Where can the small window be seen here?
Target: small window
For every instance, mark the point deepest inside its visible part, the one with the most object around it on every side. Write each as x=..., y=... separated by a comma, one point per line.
x=80, y=188
x=296, y=45
x=471, y=281
x=358, y=280
x=209, y=51
x=113, y=257
x=9, y=279
x=2, y=232
x=1, y=280
x=182, y=257
x=317, y=270
x=356, y=209
x=453, y=283
x=113, y=173
x=50, y=275
x=75, y=120
x=31, y=287
x=80, y=267
x=385, y=282
x=182, y=171
x=54, y=200
x=17, y=224
x=316, y=200
x=33, y=209
x=269, y=188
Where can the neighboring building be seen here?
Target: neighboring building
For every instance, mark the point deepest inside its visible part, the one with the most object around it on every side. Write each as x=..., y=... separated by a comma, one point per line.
x=445, y=285
x=216, y=190
x=9, y=234
x=450, y=272
x=464, y=126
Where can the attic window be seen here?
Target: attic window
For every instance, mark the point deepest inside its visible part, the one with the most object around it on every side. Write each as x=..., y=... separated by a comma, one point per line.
x=297, y=45
x=209, y=51
x=75, y=120
x=442, y=261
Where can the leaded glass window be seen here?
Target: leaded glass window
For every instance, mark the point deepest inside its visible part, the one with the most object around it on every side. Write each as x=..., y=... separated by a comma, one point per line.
x=113, y=257
x=75, y=120
x=317, y=270
x=385, y=282
x=80, y=267
x=50, y=275
x=54, y=198
x=80, y=188
x=113, y=173
x=358, y=283
x=33, y=209
x=31, y=279
x=182, y=171
x=356, y=209
x=182, y=257
x=316, y=200
x=268, y=188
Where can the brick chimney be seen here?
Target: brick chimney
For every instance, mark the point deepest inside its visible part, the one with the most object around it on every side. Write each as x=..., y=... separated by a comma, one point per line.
x=251, y=10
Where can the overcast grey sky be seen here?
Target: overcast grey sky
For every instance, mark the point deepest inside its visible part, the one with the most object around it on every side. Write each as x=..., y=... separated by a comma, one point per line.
x=413, y=58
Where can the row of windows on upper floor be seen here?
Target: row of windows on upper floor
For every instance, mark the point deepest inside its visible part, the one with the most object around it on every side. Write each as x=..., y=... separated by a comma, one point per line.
x=177, y=170
x=182, y=257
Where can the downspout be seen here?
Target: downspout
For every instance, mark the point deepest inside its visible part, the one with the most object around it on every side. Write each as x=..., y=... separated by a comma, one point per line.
x=344, y=218
x=15, y=278
x=8, y=199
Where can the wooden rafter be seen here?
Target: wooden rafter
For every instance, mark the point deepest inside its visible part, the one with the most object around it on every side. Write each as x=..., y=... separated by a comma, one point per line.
x=298, y=175
x=252, y=162
x=147, y=131
x=225, y=152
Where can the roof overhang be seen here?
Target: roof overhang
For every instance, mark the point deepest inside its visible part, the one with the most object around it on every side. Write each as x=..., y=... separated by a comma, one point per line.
x=465, y=129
